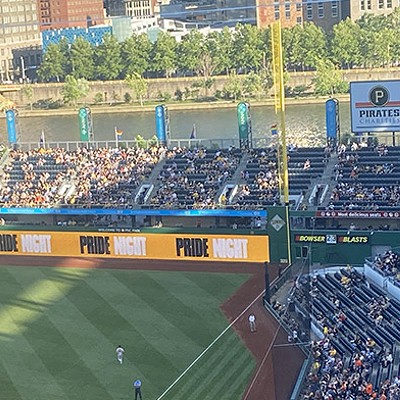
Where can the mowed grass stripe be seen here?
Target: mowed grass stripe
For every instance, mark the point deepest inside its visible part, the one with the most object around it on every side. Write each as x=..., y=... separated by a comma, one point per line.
x=7, y=389
x=216, y=284
x=24, y=366
x=202, y=301
x=166, y=338
x=234, y=359
x=233, y=381
x=60, y=358
x=177, y=312
x=197, y=376
x=95, y=335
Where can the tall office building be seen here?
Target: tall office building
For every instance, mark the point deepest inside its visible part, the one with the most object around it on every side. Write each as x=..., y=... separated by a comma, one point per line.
x=19, y=38
x=57, y=14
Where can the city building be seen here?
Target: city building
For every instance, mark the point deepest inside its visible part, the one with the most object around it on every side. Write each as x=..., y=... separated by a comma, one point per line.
x=326, y=14
x=289, y=12
x=376, y=7
x=94, y=35
x=131, y=8
x=20, y=35
x=57, y=14
x=213, y=13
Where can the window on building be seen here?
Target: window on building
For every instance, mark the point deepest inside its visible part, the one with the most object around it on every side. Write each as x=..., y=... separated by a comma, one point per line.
x=381, y=4
x=276, y=11
x=320, y=10
x=309, y=11
x=334, y=9
x=299, y=20
x=389, y=4
x=298, y=7
x=369, y=5
x=287, y=10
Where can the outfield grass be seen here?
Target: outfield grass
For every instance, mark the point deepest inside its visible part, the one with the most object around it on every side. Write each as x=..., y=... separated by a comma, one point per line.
x=59, y=328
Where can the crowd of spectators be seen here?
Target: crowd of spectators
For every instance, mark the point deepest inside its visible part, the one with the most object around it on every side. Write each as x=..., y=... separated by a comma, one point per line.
x=110, y=176
x=33, y=178
x=335, y=375
x=196, y=180
x=360, y=182
x=192, y=177
x=104, y=176
x=388, y=263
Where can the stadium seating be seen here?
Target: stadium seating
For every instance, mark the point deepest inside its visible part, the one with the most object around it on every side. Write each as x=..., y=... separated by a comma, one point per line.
x=359, y=330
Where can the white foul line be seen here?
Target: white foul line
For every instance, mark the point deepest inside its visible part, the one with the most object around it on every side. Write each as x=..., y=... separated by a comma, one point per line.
x=208, y=348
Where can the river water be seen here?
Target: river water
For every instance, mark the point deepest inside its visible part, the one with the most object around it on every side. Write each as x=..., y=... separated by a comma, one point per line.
x=305, y=124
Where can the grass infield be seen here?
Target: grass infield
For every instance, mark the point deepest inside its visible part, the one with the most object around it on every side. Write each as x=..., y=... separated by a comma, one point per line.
x=59, y=328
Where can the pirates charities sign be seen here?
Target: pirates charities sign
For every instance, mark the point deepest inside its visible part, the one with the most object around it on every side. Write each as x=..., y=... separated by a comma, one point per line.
x=375, y=106
x=136, y=245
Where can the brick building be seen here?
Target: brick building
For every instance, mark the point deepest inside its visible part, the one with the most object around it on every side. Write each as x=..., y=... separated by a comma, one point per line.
x=56, y=14
x=290, y=12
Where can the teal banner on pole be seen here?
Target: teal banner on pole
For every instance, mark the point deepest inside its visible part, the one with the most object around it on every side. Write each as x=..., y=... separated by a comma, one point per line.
x=242, y=114
x=83, y=124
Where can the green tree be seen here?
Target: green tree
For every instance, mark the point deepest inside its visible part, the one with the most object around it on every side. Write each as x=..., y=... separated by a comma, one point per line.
x=371, y=48
x=139, y=86
x=234, y=87
x=108, y=63
x=27, y=91
x=74, y=89
x=65, y=49
x=52, y=64
x=252, y=85
x=163, y=57
x=135, y=53
x=329, y=80
x=247, y=48
x=190, y=51
x=220, y=45
x=82, y=63
x=345, y=45
x=292, y=50
x=314, y=45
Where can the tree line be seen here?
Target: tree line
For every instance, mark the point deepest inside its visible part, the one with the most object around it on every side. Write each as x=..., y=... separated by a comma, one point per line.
x=369, y=42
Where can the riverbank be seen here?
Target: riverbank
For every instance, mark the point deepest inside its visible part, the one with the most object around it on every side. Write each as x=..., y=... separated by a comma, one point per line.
x=174, y=106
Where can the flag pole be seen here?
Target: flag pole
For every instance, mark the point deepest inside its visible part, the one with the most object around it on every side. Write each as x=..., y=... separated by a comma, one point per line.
x=116, y=136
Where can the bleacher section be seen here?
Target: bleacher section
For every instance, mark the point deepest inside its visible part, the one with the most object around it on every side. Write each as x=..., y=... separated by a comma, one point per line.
x=367, y=179
x=191, y=178
x=361, y=323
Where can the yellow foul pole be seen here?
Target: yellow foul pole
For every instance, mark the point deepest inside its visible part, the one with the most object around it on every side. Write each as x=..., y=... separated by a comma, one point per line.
x=277, y=66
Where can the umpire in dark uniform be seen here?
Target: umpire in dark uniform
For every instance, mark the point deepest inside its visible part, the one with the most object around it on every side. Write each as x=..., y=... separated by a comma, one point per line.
x=137, y=384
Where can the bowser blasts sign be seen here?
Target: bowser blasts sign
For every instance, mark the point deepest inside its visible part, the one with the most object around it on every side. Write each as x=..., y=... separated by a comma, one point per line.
x=375, y=106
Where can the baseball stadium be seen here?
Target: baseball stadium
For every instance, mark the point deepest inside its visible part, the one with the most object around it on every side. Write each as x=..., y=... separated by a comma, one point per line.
x=166, y=252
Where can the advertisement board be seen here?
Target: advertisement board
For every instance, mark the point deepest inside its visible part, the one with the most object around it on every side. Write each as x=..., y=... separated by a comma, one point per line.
x=375, y=106
x=137, y=246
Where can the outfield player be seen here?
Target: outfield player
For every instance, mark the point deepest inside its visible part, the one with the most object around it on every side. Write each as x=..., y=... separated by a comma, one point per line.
x=252, y=322
x=120, y=353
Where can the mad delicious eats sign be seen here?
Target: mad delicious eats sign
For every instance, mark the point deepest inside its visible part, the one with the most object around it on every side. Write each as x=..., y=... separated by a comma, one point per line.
x=375, y=106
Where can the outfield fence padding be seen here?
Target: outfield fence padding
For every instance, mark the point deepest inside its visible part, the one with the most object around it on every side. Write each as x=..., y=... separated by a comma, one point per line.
x=234, y=248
